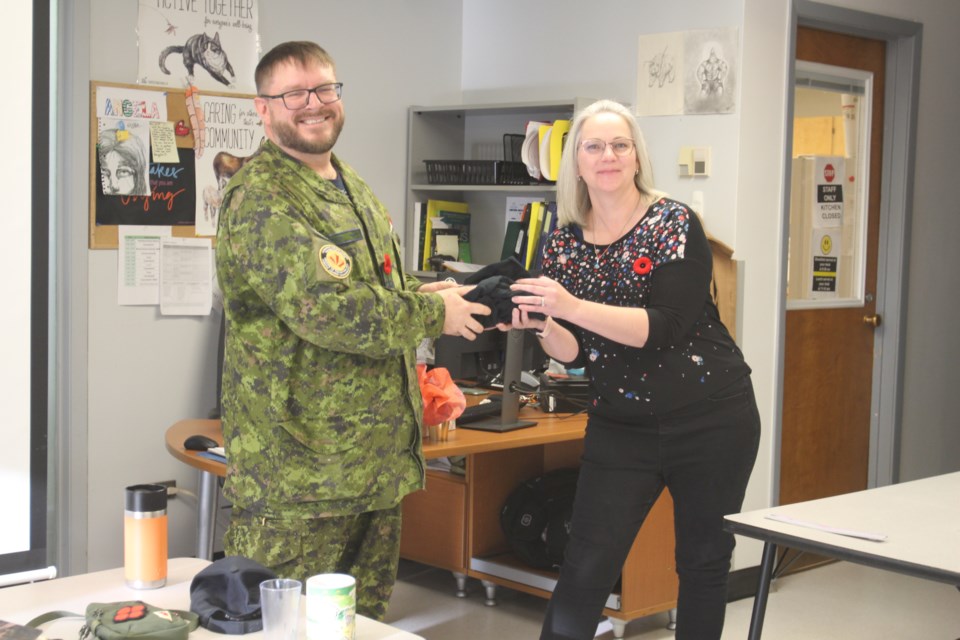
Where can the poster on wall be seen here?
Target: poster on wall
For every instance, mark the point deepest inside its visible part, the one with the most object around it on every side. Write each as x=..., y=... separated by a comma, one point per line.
x=660, y=77
x=232, y=133
x=131, y=189
x=688, y=72
x=171, y=187
x=212, y=45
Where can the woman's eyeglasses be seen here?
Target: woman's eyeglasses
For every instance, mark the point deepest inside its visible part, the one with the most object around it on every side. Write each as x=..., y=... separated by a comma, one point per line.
x=596, y=147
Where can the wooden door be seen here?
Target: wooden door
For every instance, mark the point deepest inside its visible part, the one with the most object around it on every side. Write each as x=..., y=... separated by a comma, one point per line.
x=828, y=359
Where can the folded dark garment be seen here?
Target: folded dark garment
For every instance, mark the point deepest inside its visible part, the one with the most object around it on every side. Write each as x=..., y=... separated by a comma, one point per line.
x=495, y=293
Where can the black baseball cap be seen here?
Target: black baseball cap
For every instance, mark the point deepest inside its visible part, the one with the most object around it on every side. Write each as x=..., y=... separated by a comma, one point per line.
x=226, y=595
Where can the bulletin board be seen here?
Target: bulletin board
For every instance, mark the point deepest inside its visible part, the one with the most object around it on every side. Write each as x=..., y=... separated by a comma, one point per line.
x=173, y=201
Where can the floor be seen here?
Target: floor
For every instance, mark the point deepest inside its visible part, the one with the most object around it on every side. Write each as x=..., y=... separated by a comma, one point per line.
x=840, y=600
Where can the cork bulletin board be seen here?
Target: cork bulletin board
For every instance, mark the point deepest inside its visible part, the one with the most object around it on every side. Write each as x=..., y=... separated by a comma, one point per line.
x=176, y=197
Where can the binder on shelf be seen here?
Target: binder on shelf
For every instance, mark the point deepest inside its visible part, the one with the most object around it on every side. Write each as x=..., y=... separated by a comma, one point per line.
x=457, y=222
x=420, y=229
x=545, y=133
x=549, y=226
x=534, y=227
x=558, y=135
x=510, y=237
x=434, y=207
x=519, y=250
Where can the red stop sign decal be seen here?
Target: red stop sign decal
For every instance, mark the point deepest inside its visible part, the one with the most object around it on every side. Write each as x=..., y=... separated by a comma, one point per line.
x=829, y=173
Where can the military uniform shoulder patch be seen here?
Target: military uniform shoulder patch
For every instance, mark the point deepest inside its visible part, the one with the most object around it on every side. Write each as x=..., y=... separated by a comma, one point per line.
x=334, y=261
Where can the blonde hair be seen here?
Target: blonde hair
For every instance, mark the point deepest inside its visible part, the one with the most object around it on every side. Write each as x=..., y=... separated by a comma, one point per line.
x=573, y=199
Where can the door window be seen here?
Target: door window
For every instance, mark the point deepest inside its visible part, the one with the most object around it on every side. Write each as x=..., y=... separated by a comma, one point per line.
x=828, y=192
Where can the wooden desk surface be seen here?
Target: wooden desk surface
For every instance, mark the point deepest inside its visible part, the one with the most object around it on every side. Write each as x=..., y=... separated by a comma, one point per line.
x=550, y=428
x=182, y=430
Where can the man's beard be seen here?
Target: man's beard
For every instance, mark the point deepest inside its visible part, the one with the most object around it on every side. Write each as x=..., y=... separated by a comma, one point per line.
x=288, y=137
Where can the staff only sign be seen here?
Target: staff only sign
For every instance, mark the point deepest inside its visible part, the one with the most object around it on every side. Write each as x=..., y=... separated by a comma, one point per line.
x=827, y=227
x=816, y=226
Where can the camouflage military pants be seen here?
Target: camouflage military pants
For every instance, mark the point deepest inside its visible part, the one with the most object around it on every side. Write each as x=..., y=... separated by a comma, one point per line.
x=365, y=546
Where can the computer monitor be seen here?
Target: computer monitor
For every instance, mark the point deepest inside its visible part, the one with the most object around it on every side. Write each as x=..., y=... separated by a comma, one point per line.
x=482, y=360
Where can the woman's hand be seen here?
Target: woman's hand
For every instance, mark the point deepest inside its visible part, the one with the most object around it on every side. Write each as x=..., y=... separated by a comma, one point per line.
x=544, y=296
x=522, y=320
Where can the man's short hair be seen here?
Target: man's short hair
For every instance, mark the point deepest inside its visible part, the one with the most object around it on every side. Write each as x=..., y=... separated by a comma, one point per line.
x=298, y=51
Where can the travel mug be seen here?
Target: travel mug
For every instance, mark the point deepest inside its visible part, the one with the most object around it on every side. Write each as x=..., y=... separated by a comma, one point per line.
x=145, y=536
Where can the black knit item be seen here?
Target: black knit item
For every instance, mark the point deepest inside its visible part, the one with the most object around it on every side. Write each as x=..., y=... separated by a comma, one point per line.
x=495, y=293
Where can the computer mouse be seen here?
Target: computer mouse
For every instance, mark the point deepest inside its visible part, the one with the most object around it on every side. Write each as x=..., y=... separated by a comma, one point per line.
x=199, y=442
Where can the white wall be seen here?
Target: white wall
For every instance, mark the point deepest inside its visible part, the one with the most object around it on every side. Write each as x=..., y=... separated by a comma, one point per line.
x=572, y=49
x=145, y=372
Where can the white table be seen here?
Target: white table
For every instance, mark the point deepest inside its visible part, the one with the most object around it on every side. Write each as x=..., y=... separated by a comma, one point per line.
x=920, y=519
x=23, y=603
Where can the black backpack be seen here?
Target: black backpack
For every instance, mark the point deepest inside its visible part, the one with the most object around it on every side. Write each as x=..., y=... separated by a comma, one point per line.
x=536, y=518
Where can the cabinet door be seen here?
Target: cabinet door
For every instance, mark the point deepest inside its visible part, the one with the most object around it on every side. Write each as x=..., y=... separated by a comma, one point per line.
x=433, y=523
x=649, y=579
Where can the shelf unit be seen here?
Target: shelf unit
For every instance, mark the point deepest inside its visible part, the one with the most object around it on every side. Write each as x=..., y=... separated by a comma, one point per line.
x=472, y=132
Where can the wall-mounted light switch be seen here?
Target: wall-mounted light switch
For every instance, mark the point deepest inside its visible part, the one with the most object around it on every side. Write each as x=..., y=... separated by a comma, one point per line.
x=701, y=161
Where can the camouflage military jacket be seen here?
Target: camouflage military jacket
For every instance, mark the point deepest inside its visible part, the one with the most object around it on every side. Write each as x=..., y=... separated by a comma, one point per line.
x=321, y=407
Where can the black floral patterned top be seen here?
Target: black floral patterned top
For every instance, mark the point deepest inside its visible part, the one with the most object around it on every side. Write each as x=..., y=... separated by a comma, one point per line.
x=664, y=265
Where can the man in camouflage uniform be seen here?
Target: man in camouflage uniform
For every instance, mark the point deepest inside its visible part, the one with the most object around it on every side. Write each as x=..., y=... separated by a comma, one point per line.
x=321, y=406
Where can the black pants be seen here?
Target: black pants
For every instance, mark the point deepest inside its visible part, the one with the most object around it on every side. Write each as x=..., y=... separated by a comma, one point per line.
x=703, y=454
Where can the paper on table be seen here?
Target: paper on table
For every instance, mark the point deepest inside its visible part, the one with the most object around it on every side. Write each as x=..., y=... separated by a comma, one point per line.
x=864, y=535
x=462, y=267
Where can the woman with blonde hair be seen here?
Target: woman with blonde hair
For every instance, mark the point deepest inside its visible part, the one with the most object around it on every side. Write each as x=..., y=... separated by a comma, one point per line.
x=626, y=294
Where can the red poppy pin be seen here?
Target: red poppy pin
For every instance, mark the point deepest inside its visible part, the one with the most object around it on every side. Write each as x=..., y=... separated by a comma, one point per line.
x=642, y=265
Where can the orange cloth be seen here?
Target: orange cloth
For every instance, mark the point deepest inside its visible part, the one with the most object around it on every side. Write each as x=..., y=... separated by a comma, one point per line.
x=442, y=399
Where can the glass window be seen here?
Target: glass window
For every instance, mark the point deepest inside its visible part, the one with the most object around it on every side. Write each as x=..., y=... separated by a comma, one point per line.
x=828, y=193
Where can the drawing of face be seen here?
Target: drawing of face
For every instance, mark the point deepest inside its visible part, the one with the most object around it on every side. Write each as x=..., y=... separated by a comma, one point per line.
x=123, y=164
x=119, y=175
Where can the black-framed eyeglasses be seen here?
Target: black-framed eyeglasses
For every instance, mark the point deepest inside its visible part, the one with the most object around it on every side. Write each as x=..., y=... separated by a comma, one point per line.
x=596, y=147
x=300, y=98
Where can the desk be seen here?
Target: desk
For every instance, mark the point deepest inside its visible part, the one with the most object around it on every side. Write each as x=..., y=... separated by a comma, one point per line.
x=921, y=520
x=208, y=470
x=23, y=603
x=455, y=523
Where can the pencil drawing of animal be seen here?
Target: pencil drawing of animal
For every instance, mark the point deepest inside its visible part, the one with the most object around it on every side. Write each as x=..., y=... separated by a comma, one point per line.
x=201, y=49
x=211, y=202
x=225, y=165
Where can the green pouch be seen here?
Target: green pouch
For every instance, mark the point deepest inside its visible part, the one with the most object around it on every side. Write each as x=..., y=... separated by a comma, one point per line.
x=133, y=619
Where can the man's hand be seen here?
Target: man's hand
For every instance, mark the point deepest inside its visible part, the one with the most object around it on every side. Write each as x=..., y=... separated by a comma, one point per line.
x=458, y=317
